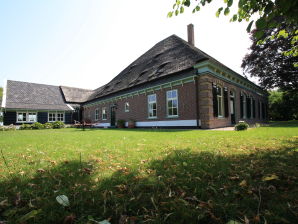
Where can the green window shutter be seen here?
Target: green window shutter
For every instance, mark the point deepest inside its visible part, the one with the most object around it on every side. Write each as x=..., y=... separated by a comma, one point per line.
x=241, y=105
x=214, y=93
x=254, y=108
x=248, y=107
x=226, y=102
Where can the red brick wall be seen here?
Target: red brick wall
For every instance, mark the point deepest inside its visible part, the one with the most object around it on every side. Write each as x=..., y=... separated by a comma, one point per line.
x=206, y=103
x=138, y=110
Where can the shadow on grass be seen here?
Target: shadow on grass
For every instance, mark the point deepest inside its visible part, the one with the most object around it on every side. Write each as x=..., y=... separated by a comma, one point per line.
x=285, y=124
x=183, y=187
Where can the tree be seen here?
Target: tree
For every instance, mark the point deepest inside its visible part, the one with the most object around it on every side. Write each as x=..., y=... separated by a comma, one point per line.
x=266, y=10
x=1, y=92
x=267, y=62
x=283, y=105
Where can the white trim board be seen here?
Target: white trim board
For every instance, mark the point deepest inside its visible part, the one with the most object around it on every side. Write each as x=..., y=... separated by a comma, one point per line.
x=4, y=94
x=175, y=123
x=97, y=125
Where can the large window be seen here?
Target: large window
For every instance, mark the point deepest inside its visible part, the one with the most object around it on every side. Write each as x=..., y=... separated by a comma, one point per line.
x=55, y=116
x=172, y=103
x=23, y=117
x=152, y=109
x=243, y=106
x=126, y=107
x=219, y=101
x=96, y=114
x=104, y=113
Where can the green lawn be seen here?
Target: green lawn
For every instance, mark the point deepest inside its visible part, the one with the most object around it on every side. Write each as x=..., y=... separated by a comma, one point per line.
x=150, y=176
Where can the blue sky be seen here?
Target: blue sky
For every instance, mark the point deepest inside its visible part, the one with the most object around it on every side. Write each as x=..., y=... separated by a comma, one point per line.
x=85, y=43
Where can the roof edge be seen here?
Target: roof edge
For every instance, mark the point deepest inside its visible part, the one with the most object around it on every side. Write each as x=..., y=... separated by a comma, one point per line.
x=214, y=63
x=4, y=94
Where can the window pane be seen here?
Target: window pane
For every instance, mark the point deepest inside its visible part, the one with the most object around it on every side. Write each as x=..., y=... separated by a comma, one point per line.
x=174, y=94
x=154, y=113
x=170, y=104
x=175, y=111
x=32, y=117
x=169, y=94
x=154, y=106
x=174, y=103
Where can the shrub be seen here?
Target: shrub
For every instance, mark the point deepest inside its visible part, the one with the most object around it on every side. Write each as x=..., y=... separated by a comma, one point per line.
x=26, y=127
x=241, y=126
x=121, y=123
x=8, y=128
x=48, y=125
x=37, y=125
x=58, y=124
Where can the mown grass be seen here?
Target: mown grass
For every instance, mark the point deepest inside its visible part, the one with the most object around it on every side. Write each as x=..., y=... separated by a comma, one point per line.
x=151, y=176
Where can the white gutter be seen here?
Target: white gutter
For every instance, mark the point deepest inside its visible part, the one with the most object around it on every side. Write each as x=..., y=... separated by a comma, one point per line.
x=4, y=94
x=70, y=107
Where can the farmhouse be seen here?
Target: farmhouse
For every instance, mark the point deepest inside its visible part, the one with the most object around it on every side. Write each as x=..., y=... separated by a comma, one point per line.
x=173, y=84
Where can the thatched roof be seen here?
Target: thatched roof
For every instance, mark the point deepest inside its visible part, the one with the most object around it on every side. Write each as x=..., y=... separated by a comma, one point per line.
x=76, y=95
x=167, y=57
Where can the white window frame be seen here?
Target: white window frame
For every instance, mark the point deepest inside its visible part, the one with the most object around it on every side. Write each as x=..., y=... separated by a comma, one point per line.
x=172, y=99
x=27, y=113
x=56, y=116
x=104, y=112
x=220, y=106
x=96, y=114
x=150, y=106
x=126, y=106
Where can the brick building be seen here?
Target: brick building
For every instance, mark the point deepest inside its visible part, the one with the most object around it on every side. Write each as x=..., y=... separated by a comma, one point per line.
x=173, y=84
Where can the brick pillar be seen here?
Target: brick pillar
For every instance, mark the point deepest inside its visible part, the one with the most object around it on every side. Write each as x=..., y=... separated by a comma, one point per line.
x=205, y=102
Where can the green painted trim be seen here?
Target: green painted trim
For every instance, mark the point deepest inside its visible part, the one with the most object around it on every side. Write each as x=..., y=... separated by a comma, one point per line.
x=229, y=81
x=230, y=76
x=145, y=91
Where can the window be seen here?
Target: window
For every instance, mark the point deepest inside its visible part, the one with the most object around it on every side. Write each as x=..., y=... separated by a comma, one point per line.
x=219, y=101
x=29, y=117
x=60, y=116
x=244, y=106
x=32, y=117
x=104, y=113
x=126, y=107
x=55, y=116
x=96, y=114
x=52, y=117
x=172, y=103
x=152, y=109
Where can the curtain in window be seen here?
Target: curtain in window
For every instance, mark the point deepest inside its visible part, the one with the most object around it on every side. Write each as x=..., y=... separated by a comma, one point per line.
x=214, y=93
x=226, y=102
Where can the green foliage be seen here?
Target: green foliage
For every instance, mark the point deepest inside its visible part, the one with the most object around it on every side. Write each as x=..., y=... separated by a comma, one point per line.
x=266, y=12
x=58, y=125
x=283, y=105
x=150, y=176
x=121, y=123
x=37, y=125
x=241, y=126
x=48, y=125
x=1, y=92
x=268, y=59
x=8, y=128
x=26, y=127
